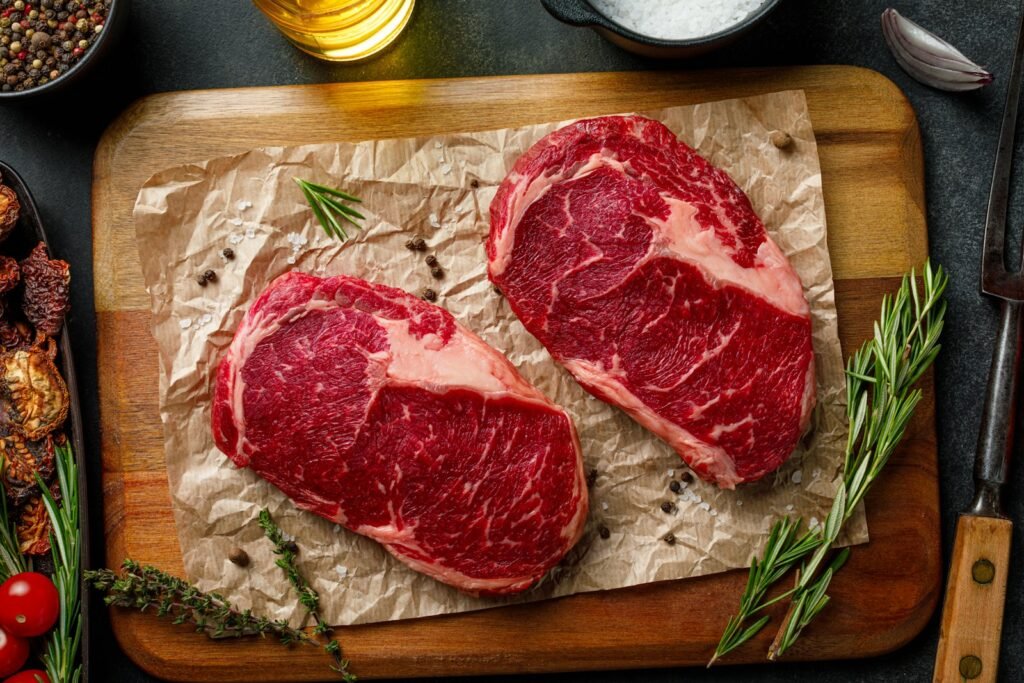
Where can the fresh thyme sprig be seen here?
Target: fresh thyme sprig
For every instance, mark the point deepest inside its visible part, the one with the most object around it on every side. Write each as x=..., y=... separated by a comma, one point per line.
x=61, y=653
x=143, y=587
x=286, y=551
x=328, y=208
x=881, y=399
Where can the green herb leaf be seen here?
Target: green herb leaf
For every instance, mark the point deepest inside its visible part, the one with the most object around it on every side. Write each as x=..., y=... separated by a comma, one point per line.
x=327, y=206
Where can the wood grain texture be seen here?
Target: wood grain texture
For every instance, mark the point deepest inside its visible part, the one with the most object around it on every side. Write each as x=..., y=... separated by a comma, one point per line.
x=873, y=184
x=972, y=617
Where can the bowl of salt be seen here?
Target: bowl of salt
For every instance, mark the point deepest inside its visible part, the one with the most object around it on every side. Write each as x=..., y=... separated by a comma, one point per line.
x=670, y=29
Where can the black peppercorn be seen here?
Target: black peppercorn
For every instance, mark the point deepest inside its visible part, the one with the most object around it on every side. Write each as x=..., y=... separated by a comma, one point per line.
x=291, y=546
x=603, y=532
x=437, y=272
x=410, y=245
x=419, y=244
x=497, y=290
x=228, y=253
x=670, y=538
x=431, y=260
x=667, y=507
x=239, y=557
x=687, y=477
x=210, y=276
x=201, y=279
x=429, y=294
x=675, y=487
x=474, y=183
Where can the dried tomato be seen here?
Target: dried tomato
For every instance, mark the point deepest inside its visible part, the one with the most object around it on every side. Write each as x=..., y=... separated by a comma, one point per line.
x=24, y=459
x=33, y=525
x=15, y=335
x=10, y=208
x=34, y=394
x=10, y=274
x=46, y=299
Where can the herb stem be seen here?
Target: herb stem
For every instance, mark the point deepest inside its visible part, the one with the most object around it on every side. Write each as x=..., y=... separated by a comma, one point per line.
x=286, y=551
x=881, y=399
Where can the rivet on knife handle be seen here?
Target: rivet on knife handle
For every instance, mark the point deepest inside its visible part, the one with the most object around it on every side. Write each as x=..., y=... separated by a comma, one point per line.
x=972, y=618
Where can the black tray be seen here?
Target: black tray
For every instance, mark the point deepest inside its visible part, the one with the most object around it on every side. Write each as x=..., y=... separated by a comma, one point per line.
x=29, y=232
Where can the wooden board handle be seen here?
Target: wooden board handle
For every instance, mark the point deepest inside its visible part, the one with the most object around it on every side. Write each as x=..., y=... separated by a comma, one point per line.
x=972, y=618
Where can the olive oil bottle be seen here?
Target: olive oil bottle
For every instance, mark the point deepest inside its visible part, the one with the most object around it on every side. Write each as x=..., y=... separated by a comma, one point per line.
x=339, y=30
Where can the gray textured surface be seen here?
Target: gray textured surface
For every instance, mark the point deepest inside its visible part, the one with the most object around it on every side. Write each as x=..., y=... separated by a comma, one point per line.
x=183, y=44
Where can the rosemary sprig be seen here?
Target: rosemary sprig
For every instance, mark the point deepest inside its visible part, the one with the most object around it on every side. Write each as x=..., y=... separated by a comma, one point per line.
x=285, y=549
x=881, y=399
x=328, y=208
x=143, y=587
x=11, y=560
x=61, y=654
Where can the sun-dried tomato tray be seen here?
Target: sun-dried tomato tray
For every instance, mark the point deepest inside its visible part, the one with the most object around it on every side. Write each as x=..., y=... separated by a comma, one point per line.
x=27, y=233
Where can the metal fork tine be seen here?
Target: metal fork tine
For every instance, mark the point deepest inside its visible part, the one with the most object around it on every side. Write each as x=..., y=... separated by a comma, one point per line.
x=995, y=279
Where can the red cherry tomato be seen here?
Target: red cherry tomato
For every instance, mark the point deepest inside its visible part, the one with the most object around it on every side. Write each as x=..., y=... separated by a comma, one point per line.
x=13, y=653
x=29, y=604
x=29, y=676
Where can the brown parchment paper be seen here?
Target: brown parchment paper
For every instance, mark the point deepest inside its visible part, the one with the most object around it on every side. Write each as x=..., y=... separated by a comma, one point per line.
x=439, y=188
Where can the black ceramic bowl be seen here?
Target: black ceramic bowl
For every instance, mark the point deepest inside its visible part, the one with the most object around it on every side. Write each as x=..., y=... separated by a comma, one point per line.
x=581, y=13
x=117, y=18
x=28, y=232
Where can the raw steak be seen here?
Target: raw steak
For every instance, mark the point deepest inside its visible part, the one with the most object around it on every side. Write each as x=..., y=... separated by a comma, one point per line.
x=645, y=272
x=376, y=410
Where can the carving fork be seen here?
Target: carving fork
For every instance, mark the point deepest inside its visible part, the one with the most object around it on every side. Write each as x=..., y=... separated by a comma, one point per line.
x=972, y=618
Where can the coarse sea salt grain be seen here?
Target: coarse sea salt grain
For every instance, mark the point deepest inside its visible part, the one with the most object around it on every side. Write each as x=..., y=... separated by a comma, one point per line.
x=242, y=205
x=185, y=323
x=236, y=239
x=677, y=19
x=342, y=571
x=798, y=477
x=604, y=505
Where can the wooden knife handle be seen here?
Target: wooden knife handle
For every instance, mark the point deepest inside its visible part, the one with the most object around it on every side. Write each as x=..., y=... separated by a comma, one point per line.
x=972, y=618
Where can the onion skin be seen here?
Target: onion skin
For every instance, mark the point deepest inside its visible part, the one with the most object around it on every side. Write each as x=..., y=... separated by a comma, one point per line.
x=930, y=59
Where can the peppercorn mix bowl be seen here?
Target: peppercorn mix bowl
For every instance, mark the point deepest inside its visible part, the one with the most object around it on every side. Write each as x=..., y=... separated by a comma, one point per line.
x=47, y=45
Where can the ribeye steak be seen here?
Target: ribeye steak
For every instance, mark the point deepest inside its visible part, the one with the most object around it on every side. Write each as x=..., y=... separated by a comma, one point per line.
x=645, y=272
x=376, y=410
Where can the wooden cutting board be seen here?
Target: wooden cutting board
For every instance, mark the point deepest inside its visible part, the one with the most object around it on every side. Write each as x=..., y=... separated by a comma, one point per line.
x=873, y=184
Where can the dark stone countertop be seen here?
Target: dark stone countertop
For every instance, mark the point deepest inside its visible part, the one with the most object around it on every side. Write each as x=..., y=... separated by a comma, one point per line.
x=187, y=44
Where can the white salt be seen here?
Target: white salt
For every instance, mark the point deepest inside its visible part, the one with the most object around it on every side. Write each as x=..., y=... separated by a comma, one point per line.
x=604, y=506
x=342, y=570
x=235, y=239
x=676, y=19
x=185, y=323
x=798, y=477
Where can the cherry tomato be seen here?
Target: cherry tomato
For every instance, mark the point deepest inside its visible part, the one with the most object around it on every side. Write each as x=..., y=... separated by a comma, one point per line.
x=28, y=676
x=29, y=604
x=13, y=653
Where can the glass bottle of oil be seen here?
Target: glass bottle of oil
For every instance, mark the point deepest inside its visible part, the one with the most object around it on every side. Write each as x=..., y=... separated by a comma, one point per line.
x=339, y=30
